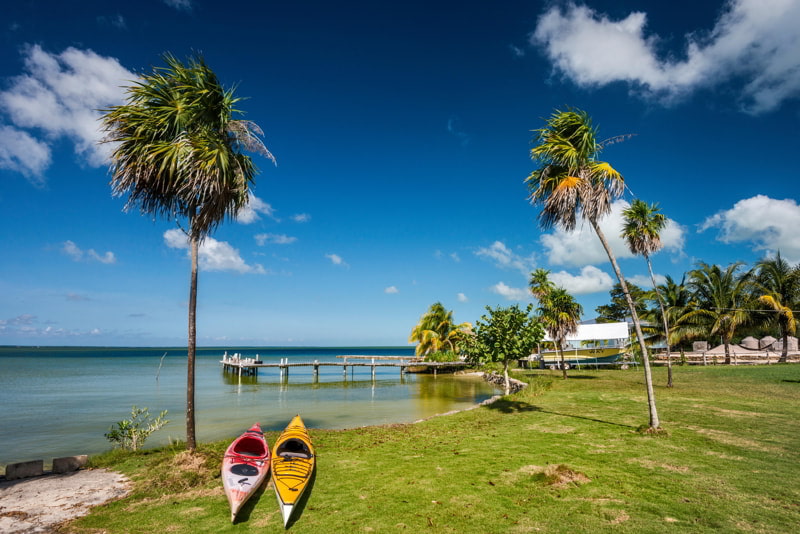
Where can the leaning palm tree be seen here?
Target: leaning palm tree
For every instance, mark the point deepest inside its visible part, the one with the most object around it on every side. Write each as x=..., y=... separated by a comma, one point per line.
x=641, y=230
x=178, y=153
x=778, y=286
x=571, y=183
x=436, y=331
x=722, y=299
x=560, y=315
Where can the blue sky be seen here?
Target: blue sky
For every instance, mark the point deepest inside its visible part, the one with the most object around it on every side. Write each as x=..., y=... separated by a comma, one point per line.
x=402, y=132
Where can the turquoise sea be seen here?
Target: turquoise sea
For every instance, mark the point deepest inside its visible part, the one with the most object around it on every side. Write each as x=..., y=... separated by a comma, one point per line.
x=60, y=401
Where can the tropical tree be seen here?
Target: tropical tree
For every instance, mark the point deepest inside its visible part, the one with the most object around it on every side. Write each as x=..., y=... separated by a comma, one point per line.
x=178, y=153
x=436, y=331
x=504, y=335
x=559, y=313
x=571, y=183
x=617, y=311
x=678, y=302
x=641, y=230
x=722, y=298
x=778, y=287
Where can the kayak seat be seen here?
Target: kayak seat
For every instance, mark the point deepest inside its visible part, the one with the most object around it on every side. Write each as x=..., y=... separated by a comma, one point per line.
x=294, y=455
x=293, y=448
x=250, y=447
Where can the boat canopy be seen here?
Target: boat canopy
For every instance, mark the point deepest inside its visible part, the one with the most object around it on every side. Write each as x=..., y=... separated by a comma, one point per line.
x=598, y=331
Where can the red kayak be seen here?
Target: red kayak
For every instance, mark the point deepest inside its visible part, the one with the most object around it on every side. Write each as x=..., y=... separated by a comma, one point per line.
x=245, y=467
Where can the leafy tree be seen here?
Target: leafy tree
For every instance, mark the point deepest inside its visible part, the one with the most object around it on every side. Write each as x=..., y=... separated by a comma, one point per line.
x=722, y=298
x=571, y=183
x=504, y=335
x=778, y=287
x=436, y=331
x=559, y=313
x=178, y=153
x=642, y=232
x=617, y=311
x=678, y=302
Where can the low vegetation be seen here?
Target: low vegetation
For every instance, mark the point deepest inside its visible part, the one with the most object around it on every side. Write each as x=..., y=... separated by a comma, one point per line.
x=559, y=456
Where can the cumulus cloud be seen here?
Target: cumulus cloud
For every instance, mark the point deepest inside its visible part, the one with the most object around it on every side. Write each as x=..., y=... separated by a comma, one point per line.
x=213, y=255
x=511, y=293
x=581, y=246
x=590, y=280
x=765, y=223
x=462, y=297
x=301, y=217
x=255, y=206
x=391, y=290
x=58, y=97
x=275, y=239
x=754, y=44
x=505, y=258
x=644, y=281
x=73, y=251
x=21, y=152
x=336, y=259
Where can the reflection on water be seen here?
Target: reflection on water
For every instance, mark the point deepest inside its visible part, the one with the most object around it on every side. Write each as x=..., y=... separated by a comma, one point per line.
x=59, y=404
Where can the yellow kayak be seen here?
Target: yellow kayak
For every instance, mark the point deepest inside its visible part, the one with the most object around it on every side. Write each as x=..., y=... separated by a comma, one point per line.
x=293, y=462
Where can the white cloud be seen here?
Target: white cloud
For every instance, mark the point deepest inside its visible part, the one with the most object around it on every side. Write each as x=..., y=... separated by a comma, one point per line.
x=766, y=223
x=581, y=246
x=511, y=293
x=275, y=239
x=754, y=43
x=58, y=96
x=462, y=297
x=301, y=217
x=250, y=213
x=336, y=259
x=21, y=152
x=505, y=258
x=73, y=251
x=180, y=5
x=391, y=290
x=213, y=255
x=590, y=280
x=644, y=281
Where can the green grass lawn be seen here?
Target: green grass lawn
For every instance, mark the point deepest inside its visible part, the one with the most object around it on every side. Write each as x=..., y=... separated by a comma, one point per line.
x=560, y=456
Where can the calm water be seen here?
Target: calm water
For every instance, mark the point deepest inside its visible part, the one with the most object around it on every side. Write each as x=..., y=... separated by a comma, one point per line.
x=60, y=401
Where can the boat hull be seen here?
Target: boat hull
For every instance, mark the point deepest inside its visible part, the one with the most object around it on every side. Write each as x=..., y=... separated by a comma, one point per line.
x=245, y=466
x=587, y=356
x=293, y=463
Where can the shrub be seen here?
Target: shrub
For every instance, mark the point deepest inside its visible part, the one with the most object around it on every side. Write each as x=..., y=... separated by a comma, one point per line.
x=130, y=434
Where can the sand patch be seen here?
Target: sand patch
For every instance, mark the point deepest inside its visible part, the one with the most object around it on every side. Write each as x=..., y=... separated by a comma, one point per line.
x=38, y=504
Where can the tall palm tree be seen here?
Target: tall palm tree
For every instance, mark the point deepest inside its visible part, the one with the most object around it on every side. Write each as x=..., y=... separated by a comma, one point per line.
x=436, y=331
x=722, y=298
x=778, y=286
x=571, y=183
x=560, y=314
x=178, y=153
x=540, y=283
x=678, y=302
x=641, y=230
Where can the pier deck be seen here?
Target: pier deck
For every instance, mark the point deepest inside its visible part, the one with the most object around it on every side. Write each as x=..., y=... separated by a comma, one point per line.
x=250, y=366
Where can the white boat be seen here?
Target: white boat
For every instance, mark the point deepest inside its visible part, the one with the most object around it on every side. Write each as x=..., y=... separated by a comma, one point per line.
x=592, y=344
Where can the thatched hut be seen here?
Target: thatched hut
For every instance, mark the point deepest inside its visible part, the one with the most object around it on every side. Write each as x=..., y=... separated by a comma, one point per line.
x=749, y=343
x=767, y=342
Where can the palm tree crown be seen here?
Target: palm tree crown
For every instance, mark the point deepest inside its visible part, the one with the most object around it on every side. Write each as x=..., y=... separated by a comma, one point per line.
x=642, y=227
x=778, y=287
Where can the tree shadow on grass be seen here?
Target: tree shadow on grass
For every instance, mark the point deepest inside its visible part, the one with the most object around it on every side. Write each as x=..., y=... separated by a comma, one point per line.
x=791, y=381
x=512, y=406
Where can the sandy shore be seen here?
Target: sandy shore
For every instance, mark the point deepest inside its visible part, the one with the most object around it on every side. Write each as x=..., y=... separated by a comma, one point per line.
x=36, y=505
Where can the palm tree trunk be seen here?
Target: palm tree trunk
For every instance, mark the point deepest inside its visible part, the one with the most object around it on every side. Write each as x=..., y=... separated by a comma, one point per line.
x=663, y=318
x=191, y=441
x=563, y=363
x=785, y=351
x=648, y=378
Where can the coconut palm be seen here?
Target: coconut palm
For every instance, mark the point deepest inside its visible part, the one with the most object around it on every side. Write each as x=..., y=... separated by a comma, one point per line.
x=178, y=153
x=641, y=230
x=436, y=331
x=778, y=286
x=722, y=298
x=540, y=283
x=560, y=315
x=571, y=183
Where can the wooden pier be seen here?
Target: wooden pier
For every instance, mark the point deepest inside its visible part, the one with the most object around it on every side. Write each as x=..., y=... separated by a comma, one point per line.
x=250, y=366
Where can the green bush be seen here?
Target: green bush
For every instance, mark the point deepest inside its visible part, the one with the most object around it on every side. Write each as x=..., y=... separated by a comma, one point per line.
x=130, y=434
